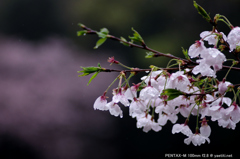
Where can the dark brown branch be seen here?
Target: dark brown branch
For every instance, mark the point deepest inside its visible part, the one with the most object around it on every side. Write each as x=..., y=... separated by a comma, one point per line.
x=137, y=70
x=188, y=63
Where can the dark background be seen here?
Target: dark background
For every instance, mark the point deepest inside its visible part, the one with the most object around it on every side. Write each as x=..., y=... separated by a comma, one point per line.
x=46, y=111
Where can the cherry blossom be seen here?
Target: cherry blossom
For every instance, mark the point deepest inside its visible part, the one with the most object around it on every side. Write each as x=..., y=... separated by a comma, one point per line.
x=183, y=128
x=233, y=38
x=114, y=109
x=199, y=138
x=148, y=93
x=100, y=103
x=148, y=123
x=119, y=96
x=131, y=92
x=178, y=80
x=137, y=108
x=189, y=87
x=230, y=117
x=196, y=49
x=204, y=69
x=222, y=87
x=163, y=118
x=212, y=37
x=210, y=57
x=234, y=112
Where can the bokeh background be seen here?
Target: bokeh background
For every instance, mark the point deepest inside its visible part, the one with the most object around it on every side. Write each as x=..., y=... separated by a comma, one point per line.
x=46, y=110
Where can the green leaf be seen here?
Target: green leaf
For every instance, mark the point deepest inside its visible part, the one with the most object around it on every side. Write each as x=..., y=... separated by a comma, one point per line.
x=88, y=70
x=185, y=53
x=123, y=41
x=93, y=76
x=103, y=33
x=201, y=11
x=172, y=93
x=82, y=32
x=149, y=55
x=100, y=42
x=81, y=25
x=136, y=37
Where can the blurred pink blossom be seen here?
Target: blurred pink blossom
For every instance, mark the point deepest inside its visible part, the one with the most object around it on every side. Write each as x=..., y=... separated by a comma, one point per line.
x=46, y=104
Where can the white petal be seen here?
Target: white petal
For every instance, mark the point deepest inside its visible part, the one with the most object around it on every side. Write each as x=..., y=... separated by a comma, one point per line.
x=205, y=130
x=229, y=110
x=188, y=140
x=236, y=115
x=156, y=127
x=100, y=104
x=162, y=119
x=177, y=128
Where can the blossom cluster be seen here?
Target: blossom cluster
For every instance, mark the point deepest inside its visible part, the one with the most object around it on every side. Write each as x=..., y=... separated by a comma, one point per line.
x=199, y=93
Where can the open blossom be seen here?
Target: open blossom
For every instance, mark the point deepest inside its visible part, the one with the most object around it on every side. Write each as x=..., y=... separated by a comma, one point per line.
x=131, y=92
x=100, y=103
x=234, y=112
x=216, y=110
x=114, y=109
x=204, y=111
x=196, y=49
x=230, y=117
x=233, y=38
x=212, y=37
x=153, y=75
x=185, y=110
x=226, y=122
x=152, y=108
x=178, y=80
x=199, y=138
x=183, y=128
x=119, y=96
x=204, y=69
x=163, y=118
x=222, y=87
x=148, y=123
x=196, y=139
x=149, y=93
x=137, y=108
x=211, y=57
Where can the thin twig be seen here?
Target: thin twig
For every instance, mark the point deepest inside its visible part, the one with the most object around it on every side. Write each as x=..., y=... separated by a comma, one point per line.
x=188, y=63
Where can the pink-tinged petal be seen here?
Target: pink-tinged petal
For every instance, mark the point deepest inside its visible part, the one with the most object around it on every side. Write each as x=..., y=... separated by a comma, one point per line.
x=222, y=88
x=196, y=49
x=162, y=119
x=147, y=128
x=233, y=38
x=181, y=128
x=214, y=108
x=114, y=109
x=100, y=103
x=227, y=100
x=177, y=128
x=173, y=118
x=156, y=127
x=188, y=140
x=210, y=37
x=229, y=110
x=235, y=115
x=186, y=131
x=205, y=130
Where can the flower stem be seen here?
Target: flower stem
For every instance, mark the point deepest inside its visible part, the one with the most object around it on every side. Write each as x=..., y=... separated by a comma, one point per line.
x=229, y=70
x=112, y=83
